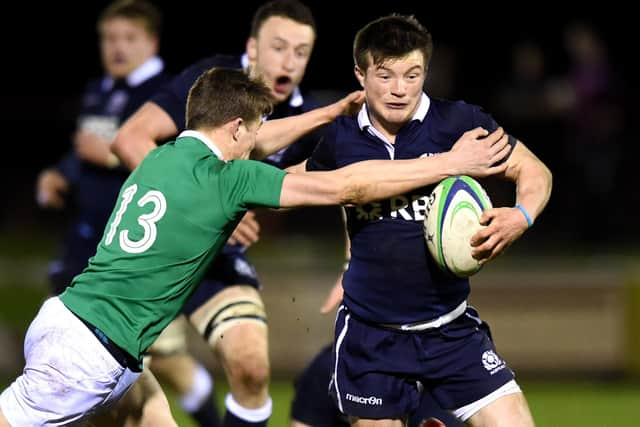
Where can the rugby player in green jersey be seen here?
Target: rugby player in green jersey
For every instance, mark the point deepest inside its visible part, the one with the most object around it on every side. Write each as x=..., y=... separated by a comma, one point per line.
x=176, y=210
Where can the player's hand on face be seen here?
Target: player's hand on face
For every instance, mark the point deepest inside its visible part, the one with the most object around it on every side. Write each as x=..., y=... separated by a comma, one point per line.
x=247, y=232
x=478, y=153
x=92, y=148
x=503, y=227
x=51, y=187
x=334, y=298
x=349, y=105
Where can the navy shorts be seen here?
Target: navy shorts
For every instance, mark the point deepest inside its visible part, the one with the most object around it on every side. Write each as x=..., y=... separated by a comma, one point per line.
x=380, y=373
x=313, y=406
x=230, y=267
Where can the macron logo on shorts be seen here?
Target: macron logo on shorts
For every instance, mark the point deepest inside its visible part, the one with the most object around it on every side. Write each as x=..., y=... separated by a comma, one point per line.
x=371, y=400
x=492, y=362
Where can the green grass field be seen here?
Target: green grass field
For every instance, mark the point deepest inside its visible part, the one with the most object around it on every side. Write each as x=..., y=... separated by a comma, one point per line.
x=568, y=403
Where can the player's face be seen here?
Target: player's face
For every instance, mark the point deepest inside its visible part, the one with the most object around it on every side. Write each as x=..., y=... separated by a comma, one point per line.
x=125, y=45
x=393, y=89
x=280, y=54
x=247, y=133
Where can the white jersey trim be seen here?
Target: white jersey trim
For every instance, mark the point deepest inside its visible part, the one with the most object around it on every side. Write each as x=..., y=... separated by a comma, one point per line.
x=203, y=138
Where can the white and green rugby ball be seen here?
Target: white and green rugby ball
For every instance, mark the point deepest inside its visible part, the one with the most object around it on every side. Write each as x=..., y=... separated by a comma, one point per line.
x=453, y=216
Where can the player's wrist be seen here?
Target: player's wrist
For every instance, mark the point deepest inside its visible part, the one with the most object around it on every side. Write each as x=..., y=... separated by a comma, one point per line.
x=525, y=213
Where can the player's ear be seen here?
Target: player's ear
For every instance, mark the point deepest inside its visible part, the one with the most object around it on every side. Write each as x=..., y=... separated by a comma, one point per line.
x=359, y=75
x=235, y=128
x=252, y=49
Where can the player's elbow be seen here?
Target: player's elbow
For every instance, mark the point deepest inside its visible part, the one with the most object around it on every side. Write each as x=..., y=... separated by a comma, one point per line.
x=543, y=176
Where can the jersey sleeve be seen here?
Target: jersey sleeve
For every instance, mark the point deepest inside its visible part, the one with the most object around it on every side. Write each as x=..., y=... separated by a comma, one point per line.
x=485, y=120
x=245, y=184
x=324, y=155
x=172, y=97
x=69, y=167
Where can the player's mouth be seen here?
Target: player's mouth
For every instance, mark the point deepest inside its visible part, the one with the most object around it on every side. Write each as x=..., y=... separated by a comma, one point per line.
x=396, y=105
x=282, y=85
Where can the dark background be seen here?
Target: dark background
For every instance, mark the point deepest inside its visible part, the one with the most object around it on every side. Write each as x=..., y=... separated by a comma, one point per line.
x=52, y=51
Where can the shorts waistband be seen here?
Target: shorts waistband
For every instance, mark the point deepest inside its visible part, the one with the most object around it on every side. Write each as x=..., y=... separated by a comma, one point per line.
x=430, y=324
x=125, y=360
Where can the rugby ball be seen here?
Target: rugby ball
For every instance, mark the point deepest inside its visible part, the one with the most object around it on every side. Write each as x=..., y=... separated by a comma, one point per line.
x=452, y=217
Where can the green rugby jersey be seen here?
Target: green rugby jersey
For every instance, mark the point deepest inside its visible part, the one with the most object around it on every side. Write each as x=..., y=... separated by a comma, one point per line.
x=174, y=213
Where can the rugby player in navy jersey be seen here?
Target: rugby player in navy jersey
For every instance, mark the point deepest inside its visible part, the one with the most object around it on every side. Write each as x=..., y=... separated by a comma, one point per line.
x=129, y=34
x=228, y=304
x=404, y=324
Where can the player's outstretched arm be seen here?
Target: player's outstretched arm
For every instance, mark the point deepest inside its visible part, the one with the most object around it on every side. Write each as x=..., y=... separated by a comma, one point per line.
x=279, y=133
x=506, y=224
x=370, y=180
x=138, y=135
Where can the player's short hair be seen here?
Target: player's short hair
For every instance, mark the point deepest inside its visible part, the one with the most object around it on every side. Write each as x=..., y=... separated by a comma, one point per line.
x=290, y=9
x=137, y=10
x=391, y=37
x=223, y=94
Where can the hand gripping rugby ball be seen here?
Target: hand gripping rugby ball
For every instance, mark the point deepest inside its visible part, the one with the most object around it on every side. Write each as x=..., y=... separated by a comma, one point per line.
x=453, y=216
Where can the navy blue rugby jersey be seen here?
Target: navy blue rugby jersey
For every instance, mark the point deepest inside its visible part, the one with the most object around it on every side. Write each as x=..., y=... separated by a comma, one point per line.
x=105, y=105
x=392, y=277
x=173, y=99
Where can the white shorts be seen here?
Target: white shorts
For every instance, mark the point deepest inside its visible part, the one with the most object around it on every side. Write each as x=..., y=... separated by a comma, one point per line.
x=68, y=374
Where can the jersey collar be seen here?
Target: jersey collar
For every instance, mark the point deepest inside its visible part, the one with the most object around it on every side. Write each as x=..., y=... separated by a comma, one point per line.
x=203, y=138
x=421, y=112
x=150, y=68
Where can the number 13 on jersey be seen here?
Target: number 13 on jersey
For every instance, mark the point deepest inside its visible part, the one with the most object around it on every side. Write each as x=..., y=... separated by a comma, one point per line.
x=146, y=221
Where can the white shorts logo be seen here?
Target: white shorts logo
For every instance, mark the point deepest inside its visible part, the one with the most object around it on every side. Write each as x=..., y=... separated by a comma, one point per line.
x=371, y=400
x=492, y=362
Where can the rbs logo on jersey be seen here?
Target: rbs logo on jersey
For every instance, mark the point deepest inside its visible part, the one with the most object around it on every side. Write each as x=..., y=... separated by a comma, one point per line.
x=408, y=208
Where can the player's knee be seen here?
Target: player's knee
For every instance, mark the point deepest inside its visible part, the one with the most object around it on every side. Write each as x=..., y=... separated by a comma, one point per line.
x=251, y=370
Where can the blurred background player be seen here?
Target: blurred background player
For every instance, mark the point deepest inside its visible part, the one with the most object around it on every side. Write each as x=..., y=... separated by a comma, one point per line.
x=87, y=180
x=227, y=308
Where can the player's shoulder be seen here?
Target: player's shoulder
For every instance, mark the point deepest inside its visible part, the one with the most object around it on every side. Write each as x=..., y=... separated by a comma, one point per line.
x=453, y=115
x=221, y=60
x=192, y=71
x=452, y=108
x=95, y=84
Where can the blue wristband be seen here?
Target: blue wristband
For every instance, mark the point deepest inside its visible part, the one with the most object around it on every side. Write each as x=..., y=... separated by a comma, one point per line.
x=526, y=215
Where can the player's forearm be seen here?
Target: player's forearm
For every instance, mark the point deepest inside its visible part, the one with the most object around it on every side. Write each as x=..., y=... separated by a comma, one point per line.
x=131, y=148
x=140, y=133
x=532, y=178
x=380, y=179
x=533, y=188
x=279, y=133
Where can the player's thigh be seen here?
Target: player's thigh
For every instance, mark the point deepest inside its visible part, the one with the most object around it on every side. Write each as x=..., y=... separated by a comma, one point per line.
x=172, y=340
x=510, y=410
x=3, y=420
x=234, y=313
x=145, y=404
